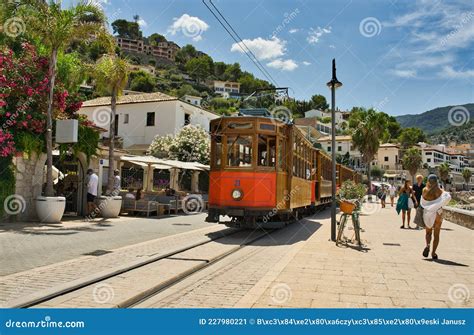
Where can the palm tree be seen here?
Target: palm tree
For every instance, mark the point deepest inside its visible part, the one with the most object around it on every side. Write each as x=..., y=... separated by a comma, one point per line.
x=369, y=127
x=443, y=170
x=57, y=28
x=111, y=73
x=412, y=161
x=467, y=174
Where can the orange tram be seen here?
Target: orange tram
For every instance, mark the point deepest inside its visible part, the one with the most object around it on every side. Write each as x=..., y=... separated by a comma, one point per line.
x=266, y=173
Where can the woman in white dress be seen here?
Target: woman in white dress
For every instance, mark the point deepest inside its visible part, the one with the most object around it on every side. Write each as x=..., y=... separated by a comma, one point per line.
x=432, y=200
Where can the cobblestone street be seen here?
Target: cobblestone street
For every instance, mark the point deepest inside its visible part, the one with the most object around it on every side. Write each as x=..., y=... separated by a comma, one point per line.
x=304, y=269
x=293, y=267
x=25, y=246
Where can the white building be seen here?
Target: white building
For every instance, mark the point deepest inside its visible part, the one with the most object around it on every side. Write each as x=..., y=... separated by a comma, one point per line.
x=340, y=116
x=344, y=146
x=140, y=117
x=192, y=100
x=226, y=88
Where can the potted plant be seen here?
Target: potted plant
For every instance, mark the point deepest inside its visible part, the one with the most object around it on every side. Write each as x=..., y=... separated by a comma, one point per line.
x=350, y=195
x=64, y=26
x=111, y=73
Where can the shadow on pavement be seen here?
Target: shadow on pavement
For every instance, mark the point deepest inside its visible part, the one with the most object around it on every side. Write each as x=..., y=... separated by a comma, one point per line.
x=445, y=262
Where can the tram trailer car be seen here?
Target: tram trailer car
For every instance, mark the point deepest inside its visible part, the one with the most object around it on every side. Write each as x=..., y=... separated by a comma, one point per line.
x=265, y=172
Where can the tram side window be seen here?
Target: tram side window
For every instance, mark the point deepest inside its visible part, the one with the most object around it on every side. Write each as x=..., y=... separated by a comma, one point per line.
x=239, y=151
x=266, y=150
x=217, y=153
x=281, y=155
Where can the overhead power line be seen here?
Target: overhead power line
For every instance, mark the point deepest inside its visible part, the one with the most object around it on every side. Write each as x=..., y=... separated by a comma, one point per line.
x=235, y=36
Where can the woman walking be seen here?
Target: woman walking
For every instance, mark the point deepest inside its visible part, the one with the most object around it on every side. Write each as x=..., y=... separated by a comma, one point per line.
x=392, y=190
x=382, y=194
x=432, y=201
x=405, y=203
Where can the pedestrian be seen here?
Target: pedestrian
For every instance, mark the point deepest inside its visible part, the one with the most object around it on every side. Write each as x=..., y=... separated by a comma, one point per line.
x=130, y=194
x=117, y=183
x=418, y=189
x=392, y=190
x=382, y=195
x=405, y=203
x=92, y=185
x=433, y=199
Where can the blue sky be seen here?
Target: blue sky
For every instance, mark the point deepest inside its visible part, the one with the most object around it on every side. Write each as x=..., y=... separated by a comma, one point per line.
x=402, y=57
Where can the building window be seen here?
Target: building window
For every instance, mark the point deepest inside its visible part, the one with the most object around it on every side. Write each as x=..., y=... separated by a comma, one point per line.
x=339, y=148
x=187, y=119
x=329, y=149
x=428, y=160
x=150, y=119
x=125, y=118
x=385, y=159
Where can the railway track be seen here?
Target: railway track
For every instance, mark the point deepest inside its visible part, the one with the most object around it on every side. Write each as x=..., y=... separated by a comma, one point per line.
x=153, y=276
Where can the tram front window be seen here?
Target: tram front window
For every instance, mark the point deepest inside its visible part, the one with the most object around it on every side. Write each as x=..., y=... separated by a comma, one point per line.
x=239, y=151
x=266, y=150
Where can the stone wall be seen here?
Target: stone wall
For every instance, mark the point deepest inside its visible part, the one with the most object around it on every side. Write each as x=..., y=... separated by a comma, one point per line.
x=29, y=183
x=459, y=216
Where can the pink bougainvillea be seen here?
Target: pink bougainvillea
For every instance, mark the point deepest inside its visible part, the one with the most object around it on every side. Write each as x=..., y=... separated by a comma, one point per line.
x=24, y=89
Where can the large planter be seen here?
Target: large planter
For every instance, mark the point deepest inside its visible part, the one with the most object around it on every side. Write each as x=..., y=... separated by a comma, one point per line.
x=50, y=209
x=109, y=206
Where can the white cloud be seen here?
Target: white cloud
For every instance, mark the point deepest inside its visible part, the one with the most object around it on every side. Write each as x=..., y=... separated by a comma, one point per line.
x=404, y=73
x=142, y=23
x=294, y=30
x=262, y=49
x=306, y=63
x=284, y=65
x=439, y=34
x=315, y=34
x=449, y=72
x=332, y=46
x=190, y=26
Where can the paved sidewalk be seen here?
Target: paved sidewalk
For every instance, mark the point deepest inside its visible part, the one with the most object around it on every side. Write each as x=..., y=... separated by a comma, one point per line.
x=30, y=245
x=300, y=267
x=391, y=272
x=47, y=278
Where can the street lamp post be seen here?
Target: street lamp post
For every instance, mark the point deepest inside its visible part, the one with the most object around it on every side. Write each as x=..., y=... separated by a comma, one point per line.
x=333, y=85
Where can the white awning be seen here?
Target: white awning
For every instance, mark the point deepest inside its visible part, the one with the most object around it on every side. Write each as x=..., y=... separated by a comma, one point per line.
x=138, y=163
x=160, y=166
x=159, y=163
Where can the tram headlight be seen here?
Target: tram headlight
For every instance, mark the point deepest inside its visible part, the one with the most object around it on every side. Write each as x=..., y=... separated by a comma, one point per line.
x=237, y=194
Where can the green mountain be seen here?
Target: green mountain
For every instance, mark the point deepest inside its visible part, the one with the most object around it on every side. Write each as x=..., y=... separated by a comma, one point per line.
x=435, y=120
x=459, y=134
